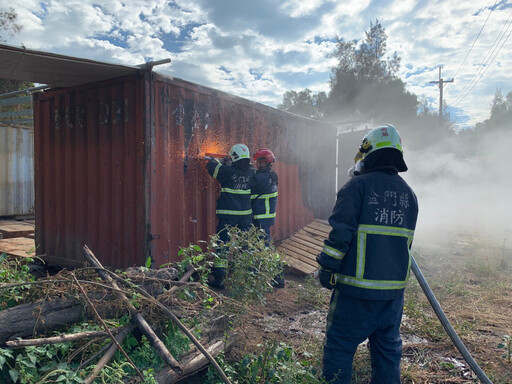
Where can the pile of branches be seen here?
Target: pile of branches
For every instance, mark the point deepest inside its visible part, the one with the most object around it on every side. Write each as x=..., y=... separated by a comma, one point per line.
x=72, y=296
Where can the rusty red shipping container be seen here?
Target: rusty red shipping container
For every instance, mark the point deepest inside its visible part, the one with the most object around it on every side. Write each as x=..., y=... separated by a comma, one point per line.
x=119, y=166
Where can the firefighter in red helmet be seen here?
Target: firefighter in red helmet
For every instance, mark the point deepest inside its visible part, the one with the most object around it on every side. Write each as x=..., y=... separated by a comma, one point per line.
x=264, y=191
x=264, y=197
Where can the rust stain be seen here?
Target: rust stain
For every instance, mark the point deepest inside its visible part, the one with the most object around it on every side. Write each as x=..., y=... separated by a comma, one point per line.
x=124, y=172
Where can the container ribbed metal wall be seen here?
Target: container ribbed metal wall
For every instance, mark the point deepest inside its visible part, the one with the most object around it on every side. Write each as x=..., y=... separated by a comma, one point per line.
x=89, y=149
x=119, y=167
x=16, y=171
x=189, y=121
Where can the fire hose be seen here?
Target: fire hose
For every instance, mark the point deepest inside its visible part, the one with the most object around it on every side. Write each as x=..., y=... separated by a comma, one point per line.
x=447, y=326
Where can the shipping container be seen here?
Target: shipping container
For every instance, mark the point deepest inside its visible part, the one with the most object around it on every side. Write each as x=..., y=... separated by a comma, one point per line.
x=119, y=166
x=16, y=170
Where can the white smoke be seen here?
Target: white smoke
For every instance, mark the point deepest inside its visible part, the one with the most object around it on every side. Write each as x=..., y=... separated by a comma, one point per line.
x=463, y=195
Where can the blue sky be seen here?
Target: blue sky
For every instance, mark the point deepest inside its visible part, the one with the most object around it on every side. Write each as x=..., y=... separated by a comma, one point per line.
x=261, y=49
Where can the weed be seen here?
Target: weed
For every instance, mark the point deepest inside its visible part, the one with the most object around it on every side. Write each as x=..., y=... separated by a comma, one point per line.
x=506, y=346
x=276, y=363
x=253, y=265
x=311, y=293
x=193, y=256
x=13, y=271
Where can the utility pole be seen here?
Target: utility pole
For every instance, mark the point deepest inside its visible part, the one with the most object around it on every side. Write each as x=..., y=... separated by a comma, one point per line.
x=441, y=82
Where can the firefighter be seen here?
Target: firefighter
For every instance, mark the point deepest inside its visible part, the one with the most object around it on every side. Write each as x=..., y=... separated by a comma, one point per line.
x=264, y=191
x=234, y=202
x=366, y=261
x=264, y=198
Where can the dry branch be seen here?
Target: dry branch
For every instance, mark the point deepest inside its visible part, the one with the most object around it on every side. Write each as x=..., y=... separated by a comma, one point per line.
x=141, y=323
x=173, y=317
x=196, y=362
x=58, y=339
x=109, y=354
x=114, y=340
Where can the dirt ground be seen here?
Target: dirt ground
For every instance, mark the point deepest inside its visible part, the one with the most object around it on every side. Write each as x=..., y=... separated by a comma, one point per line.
x=471, y=279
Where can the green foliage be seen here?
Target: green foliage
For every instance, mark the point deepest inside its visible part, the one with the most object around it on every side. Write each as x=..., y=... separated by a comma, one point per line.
x=365, y=80
x=144, y=355
x=14, y=271
x=37, y=364
x=506, y=346
x=277, y=363
x=252, y=267
x=193, y=256
x=304, y=103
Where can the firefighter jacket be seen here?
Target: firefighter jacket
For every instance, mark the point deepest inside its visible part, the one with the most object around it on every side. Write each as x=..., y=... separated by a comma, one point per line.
x=235, y=193
x=373, y=222
x=264, y=197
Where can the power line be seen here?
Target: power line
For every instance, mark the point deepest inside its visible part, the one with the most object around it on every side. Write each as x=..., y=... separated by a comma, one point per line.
x=493, y=52
x=474, y=42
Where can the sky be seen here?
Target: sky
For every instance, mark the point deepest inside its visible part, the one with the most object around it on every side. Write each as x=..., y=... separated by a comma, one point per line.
x=261, y=49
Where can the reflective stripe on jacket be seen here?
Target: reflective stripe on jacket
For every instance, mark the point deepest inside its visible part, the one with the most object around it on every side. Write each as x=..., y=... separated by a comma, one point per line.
x=264, y=197
x=373, y=224
x=235, y=193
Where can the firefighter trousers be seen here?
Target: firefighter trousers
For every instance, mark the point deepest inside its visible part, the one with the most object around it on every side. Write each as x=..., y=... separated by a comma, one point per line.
x=351, y=321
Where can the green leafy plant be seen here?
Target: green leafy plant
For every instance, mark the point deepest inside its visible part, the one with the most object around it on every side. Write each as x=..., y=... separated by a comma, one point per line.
x=37, y=364
x=193, y=256
x=506, y=346
x=252, y=266
x=14, y=271
x=276, y=363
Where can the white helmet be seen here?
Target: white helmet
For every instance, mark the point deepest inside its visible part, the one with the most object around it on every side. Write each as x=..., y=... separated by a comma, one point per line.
x=239, y=152
x=385, y=136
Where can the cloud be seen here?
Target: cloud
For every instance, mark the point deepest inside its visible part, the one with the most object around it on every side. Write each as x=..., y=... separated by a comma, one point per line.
x=285, y=42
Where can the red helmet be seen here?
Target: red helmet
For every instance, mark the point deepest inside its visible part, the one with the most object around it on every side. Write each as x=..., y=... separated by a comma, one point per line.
x=264, y=154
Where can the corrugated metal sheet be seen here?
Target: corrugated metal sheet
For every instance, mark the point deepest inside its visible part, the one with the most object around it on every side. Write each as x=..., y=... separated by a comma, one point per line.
x=190, y=120
x=89, y=148
x=16, y=171
x=119, y=167
x=19, y=63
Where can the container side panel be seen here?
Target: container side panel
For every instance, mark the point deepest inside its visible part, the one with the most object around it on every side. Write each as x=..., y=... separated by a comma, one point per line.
x=90, y=165
x=190, y=121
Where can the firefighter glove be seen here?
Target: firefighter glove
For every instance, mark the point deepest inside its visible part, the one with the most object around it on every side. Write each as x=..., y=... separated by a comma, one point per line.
x=327, y=278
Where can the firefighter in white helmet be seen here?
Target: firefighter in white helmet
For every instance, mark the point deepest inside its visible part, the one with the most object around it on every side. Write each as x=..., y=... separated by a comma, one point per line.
x=366, y=261
x=234, y=202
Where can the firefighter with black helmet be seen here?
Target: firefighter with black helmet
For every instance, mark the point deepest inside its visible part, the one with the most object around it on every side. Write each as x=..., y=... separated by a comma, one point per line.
x=234, y=202
x=366, y=260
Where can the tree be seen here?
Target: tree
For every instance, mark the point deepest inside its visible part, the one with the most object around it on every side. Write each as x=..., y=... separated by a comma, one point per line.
x=304, y=103
x=8, y=22
x=366, y=82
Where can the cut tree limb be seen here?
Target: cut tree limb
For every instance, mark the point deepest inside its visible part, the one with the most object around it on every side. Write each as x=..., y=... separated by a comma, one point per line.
x=109, y=354
x=112, y=337
x=141, y=323
x=180, y=325
x=26, y=319
x=196, y=362
x=58, y=339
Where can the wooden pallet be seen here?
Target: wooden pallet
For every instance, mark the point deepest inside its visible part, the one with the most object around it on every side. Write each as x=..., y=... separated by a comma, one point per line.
x=12, y=228
x=18, y=246
x=300, y=250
